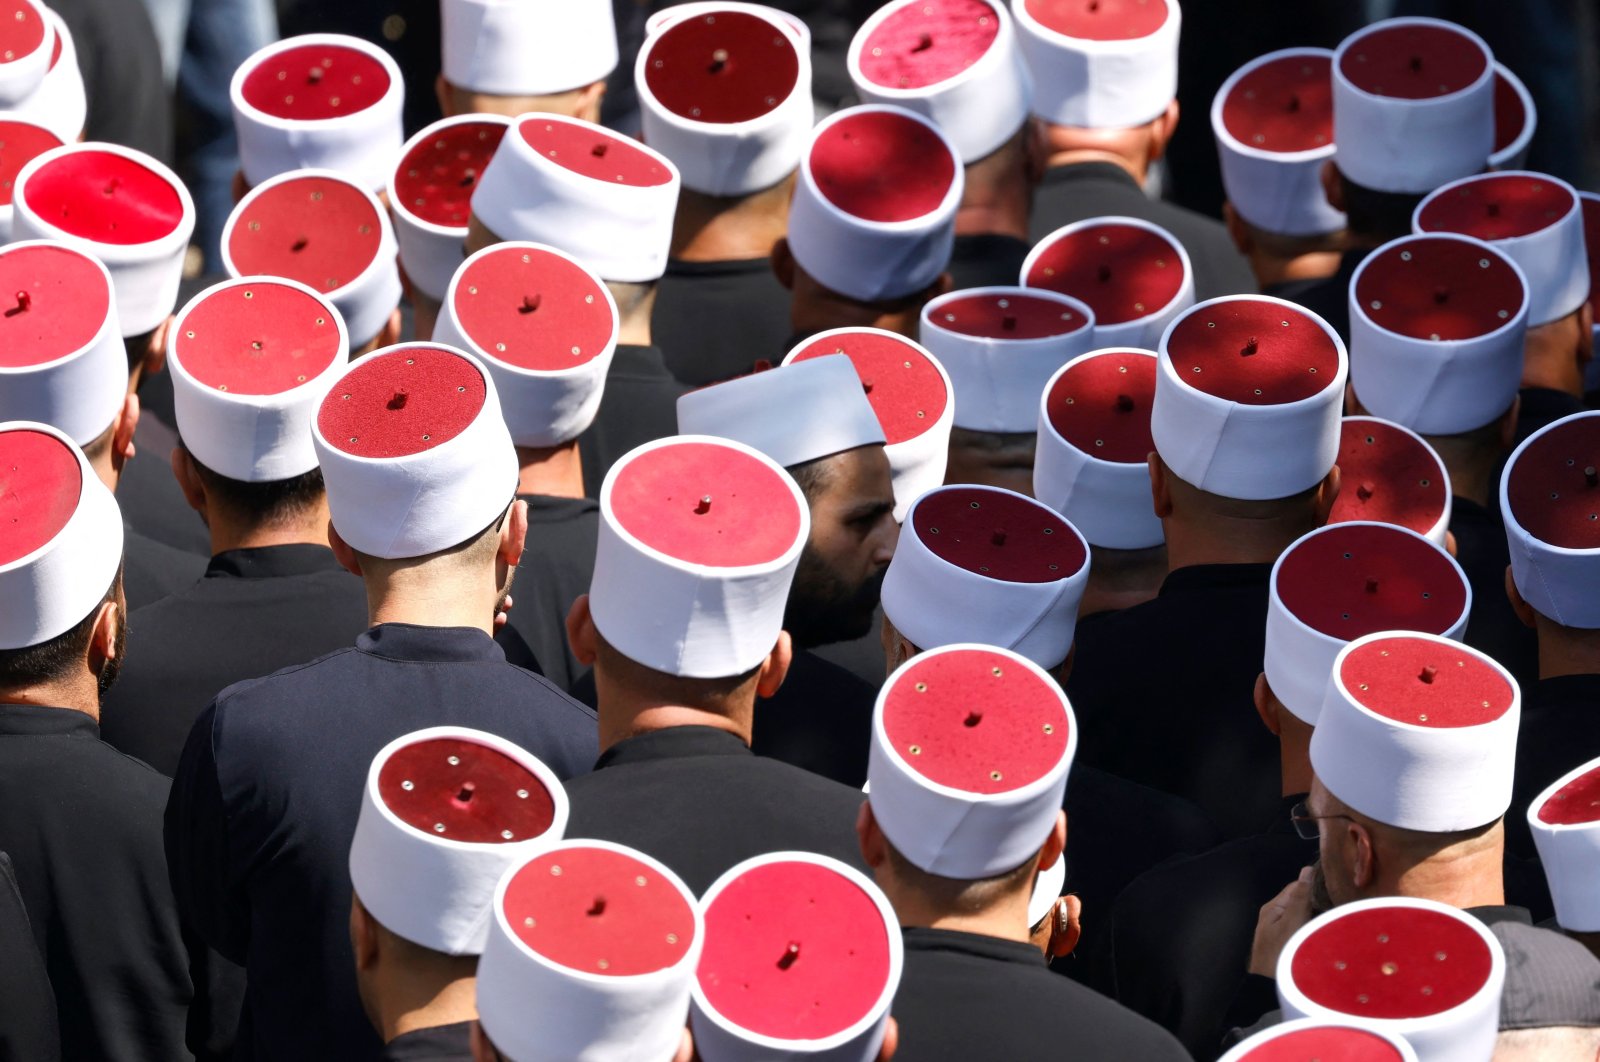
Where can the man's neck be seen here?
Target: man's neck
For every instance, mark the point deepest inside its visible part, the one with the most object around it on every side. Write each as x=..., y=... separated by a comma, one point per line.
x=310, y=529
x=1137, y=169
x=1471, y=474
x=1566, y=650
x=79, y=693
x=626, y=713
x=1228, y=542
x=1275, y=269
x=721, y=230
x=432, y=602
x=1006, y=919
x=554, y=471
x=997, y=214
x=418, y=1006
x=1474, y=879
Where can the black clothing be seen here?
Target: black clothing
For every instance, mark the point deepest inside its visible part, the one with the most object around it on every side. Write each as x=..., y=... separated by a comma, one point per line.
x=965, y=997
x=121, y=66
x=441, y=1043
x=1560, y=730
x=1327, y=297
x=718, y=320
x=640, y=405
x=266, y=796
x=863, y=656
x=28, y=1030
x=983, y=260
x=820, y=720
x=556, y=568
x=255, y=612
x=1492, y=627
x=1542, y=406
x=148, y=493
x=153, y=570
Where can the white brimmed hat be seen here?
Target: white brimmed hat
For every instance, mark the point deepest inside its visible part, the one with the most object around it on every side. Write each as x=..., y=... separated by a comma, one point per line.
x=430, y=192
x=1134, y=275
x=1565, y=820
x=1390, y=475
x=513, y=48
x=1100, y=66
x=1515, y=119
x=1550, y=502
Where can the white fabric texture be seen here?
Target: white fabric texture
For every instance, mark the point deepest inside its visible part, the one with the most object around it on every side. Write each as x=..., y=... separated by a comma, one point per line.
x=431, y=253
x=1100, y=84
x=21, y=75
x=59, y=103
x=1514, y=155
x=1570, y=856
x=517, y=48
x=1556, y=580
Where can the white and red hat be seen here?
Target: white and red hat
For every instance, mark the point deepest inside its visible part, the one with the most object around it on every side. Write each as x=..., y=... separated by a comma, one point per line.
x=874, y=209
x=445, y=812
x=251, y=360
x=1047, y=890
x=725, y=93
x=1410, y=968
x=1305, y=1039
x=794, y=413
x=1515, y=120
x=545, y=326
x=1134, y=275
x=1106, y=65
x=802, y=959
x=1091, y=464
x=1550, y=501
x=1565, y=821
x=430, y=192
x=1390, y=475
x=987, y=565
x=909, y=391
x=1248, y=395
x=414, y=451
x=1000, y=346
x=320, y=101
x=1535, y=220
x=321, y=229
x=27, y=45
x=1418, y=732
x=62, y=361
x=120, y=205
x=60, y=535
x=971, y=746
x=1436, y=332
x=1346, y=580
x=604, y=199
x=1273, y=122
x=699, y=541
x=955, y=61
x=20, y=143
x=59, y=102
x=1590, y=203
x=514, y=48
x=591, y=955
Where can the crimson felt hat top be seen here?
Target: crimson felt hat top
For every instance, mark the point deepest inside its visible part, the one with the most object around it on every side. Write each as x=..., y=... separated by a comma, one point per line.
x=1438, y=289
x=1392, y=476
x=1101, y=405
x=1123, y=271
x=434, y=180
x=722, y=67
x=1550, y=503
x=921, y=44
x=999, y=535
x=1284, y=106
x=1312, y=1040
x=320, y=230
x=465, y=791
x=20, y=142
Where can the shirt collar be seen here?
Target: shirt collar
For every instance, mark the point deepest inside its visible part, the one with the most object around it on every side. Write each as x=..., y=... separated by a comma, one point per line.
x=418, y=644
x=272, y=562
x=1214, y=576
x=1095, y=170
x=1020, y=953
x=673, y=743
x=31, y=720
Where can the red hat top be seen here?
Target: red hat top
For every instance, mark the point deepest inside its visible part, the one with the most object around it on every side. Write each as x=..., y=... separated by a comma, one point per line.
x=1575, y=803
x=1426, y=682
x=533, y=309
x=1439, y=289
x=1591, y=243
x=260, y=338
x=1253, y=352
x=1357, y=579
x=1101, y=405
x=320, y=230
x=999, y=535
x=41, y=480
x=722, y=67
x=1497, y=206
x=20, y=143
x=434, y=181
x=1510, y=113
x=1009, y=314
x=922, y=44
x=403, y=402
x=1327, y=1043
x=589, y=151
x=107, y=197
x=1390, y=476
x=315, y=81
x=1553, y=486
x=1122, y=271
x=56, y=304
x=22, y=30
x=1100, y=20
x=1414, y=61
x=465, y=791
x=1392, y=962
x=905, y=387
x=882, y=166
x=1283, y=106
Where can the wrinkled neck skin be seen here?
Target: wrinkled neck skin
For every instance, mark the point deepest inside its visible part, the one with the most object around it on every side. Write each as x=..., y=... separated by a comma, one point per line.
x=553, y=471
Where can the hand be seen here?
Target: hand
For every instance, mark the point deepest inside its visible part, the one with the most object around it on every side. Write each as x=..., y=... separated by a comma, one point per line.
x=1280, y=917
x=502, y=614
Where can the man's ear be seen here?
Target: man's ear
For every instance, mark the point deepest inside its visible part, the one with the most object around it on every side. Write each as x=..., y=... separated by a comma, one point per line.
x=1036, y=150
x=1364, y=867
x=1068, y=929
x=1333, y=185
x=1160, y=489
x=1327, y=494
x=342, y=552
x=1525, y=612
x=588, y=106
x=1266, y=705
x=1238, y=231
x=685, y=1049
x=1161, y=130
x=891, y=1040
x=514, y=534
x=389, y=334
x=1585, y=334
x=775, y=668
x=1352, y=404
x=363, y=934
x=581, y=633
x=240, y=186
x=943, y=285
x=108, y=621
x=442, y=93
x=1055, y=844
x=783, y=263
x=122, y=430
x=155, y=354
x=188, y=477
x=869, y=837
x=482, y=1049
x=1508, y=423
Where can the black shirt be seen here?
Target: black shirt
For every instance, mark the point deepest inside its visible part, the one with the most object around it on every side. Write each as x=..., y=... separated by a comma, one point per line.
x=1492, y=626
x=556, y=568
x=28, y=1030
x=1560, y=730
x=147, y=492
x=152, y=570
x=718, y=320
x=820, y=720
x=1328, y=297
x=640, y=405
x=439, y=1043
x=983, y=260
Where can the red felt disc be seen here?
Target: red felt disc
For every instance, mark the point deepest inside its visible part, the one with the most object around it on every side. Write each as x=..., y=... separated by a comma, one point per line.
x=1102, y=405
x=1497, y=206
x=1425, y=683
x=906, y=391
x=706, y=504
x=402, y=402
x=460, y=790
x=1010, y=314
x=1576, y=802
x=314, y=82
x=977, y=721
x=1254, y=352
x=924, y=43
x=599, y=911
x=104, y=197
x=40, y=482
x=20, y=144
x=1391, y=963
x=1341, y=1043
x=1591, y=243
x=1554, y=488
x=1100, y=20
x=257, y=339
x=1283, y=106
x=1413, y=61
x=436, y=178
x=1510, y=115
x=1357, y=579
x=533, y=309
x=1438, y=289
x=322, y=231
x=794, y=951
x=590, y=151
x=881, y=166
x=722, y=67
x=55, y=302
x=21, y=30
x=1388, y=476
x=998, y=535
x=1124, y=272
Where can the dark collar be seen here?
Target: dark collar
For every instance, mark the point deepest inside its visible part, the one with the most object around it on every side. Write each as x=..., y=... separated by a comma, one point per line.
x=673, y=743
x=953, y=942
x=722, y=267
x=438, y=1043
x=1491, y=915
x=1215, y=576
x=413, y=643
x=1102, y=172
x=29, y=720
x=1566, y=688
x=630, y=356
x=549, y=509
x=272, y=562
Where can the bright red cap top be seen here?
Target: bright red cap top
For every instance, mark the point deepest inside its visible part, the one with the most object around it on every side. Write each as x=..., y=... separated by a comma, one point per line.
x=1497, y=206
x=402, y=402
x=20, y=144
x=599, y=911
x=1575, y=803
x=314, y=82
x=1391, y=962
x=1102, y=405
x=21, y=30
x=463, y=791
x=1510, y=115
x=1011, y=314
x=436, y=178
x=1426, y=683
x=999, y=535
x=923, y=43
x=590, y=151
x=1591, y=243
x=1389, y=476
x=1254, y=352
x=1414, y=61
x=976, y=720
x=1357, y=579
x=40, y=484
x=905, y=389
x=1100, y=20
x=257, y=339
x=1439, y=289
x=722, y=67
x=56, y=303
x=322, y=231
x=1554, y=488
x=533, y=309
x=881, y=166
x=1332, y=1043
x=794, y=951
x=1124, y=272
x=105, y=197
x=1283, y=106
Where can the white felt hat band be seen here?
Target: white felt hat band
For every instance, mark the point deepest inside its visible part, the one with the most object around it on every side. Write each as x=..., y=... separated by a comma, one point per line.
x=1557, y=581
x=1570, y=856
x=1088, y=84
x=509, y=48
x=1514, y=155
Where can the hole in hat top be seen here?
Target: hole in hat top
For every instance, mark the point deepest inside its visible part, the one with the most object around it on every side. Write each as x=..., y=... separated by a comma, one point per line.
x=104, y=197
x=460, y=790
x=1413, y=61
x=722, y=67
x=53, y=302
x=1283, y=106
x=998, y=535
x=1253, y=352
x=315, y=82
x=976, y=720
x=257, y=339
x=1124, y=272
x=1591, y=243
x=1356, y=579
x=924, y=43
x=794, y=951
x=403, y=402
x=40, y=483
x=1388, y=476
x=20, y=144
x=533, y=309
x=701, y=503
x=903, y=386
x=881, y=167
x=592, y=152
x=1425, y=683
x=320, y=231
x=1554, y=488
x=1391, y=963
x=1102, y=406
x=1011, y=315
x=1438, y=289
x=599, y=911
x=1497, y=206
x=1325, y=1044
x=1510, y=115
x=1100, y=20
x=437, y=177
x=1575, y=803
x=21, y=30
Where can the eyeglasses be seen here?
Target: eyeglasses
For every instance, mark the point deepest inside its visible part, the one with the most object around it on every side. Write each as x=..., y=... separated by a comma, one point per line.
x=1305, y=823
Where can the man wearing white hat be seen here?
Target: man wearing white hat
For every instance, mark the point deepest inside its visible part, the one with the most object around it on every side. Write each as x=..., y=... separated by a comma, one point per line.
x=1563, y=823
x=508, y=58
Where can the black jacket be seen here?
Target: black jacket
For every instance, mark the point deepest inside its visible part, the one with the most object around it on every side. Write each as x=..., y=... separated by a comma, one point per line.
x=439, y=1043
x=983, y=260
x=640, y=405
x=556, y=568
x=28, y=1031
x=718, y=320
x=1560, y=730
